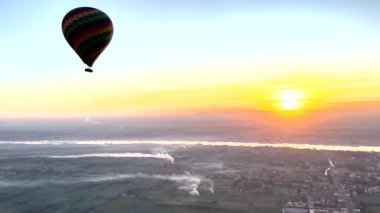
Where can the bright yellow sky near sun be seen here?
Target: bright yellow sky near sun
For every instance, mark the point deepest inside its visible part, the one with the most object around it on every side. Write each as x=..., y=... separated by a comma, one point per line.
x=288, y=94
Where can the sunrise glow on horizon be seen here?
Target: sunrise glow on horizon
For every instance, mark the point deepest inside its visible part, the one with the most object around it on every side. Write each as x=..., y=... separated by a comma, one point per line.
x=195, y=56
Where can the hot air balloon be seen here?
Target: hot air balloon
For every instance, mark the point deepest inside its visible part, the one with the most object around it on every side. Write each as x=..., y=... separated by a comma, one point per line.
x=88, y=31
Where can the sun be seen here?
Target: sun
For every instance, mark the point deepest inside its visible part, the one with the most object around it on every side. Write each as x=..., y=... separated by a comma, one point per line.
x=290, y=99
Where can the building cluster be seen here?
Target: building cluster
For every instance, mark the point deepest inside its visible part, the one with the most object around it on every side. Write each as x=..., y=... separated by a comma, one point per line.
x=317, y=191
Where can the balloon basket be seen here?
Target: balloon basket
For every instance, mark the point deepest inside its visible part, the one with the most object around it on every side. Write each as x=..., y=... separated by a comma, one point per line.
x=88, y=70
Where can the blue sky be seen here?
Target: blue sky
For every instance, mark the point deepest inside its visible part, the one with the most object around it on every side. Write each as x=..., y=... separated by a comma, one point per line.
x=164, y=33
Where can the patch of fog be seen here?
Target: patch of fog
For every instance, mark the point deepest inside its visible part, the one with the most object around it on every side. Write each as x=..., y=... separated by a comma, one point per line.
x=11, y=183
x=327, y=170
x=163, y=156
x=192, y=189
x=211, y=189
x=331, y=164
x=188, y=183
x=331, y=167
x=209, y=185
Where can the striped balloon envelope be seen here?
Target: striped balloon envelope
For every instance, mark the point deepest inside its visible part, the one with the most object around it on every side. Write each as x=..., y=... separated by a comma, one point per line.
x=88, y=31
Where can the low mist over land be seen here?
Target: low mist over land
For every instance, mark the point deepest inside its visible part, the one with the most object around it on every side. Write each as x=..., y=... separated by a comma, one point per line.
x=359, y=130
x=190, y=179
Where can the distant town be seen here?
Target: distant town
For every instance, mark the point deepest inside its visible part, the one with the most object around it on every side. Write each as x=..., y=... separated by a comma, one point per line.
x=329, y=187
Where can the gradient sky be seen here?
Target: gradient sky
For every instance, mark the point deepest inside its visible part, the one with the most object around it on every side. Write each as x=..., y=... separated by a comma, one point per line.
x=177, y=56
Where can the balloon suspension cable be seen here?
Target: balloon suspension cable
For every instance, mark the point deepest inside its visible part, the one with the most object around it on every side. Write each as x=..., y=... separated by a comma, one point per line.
x=88, y=69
